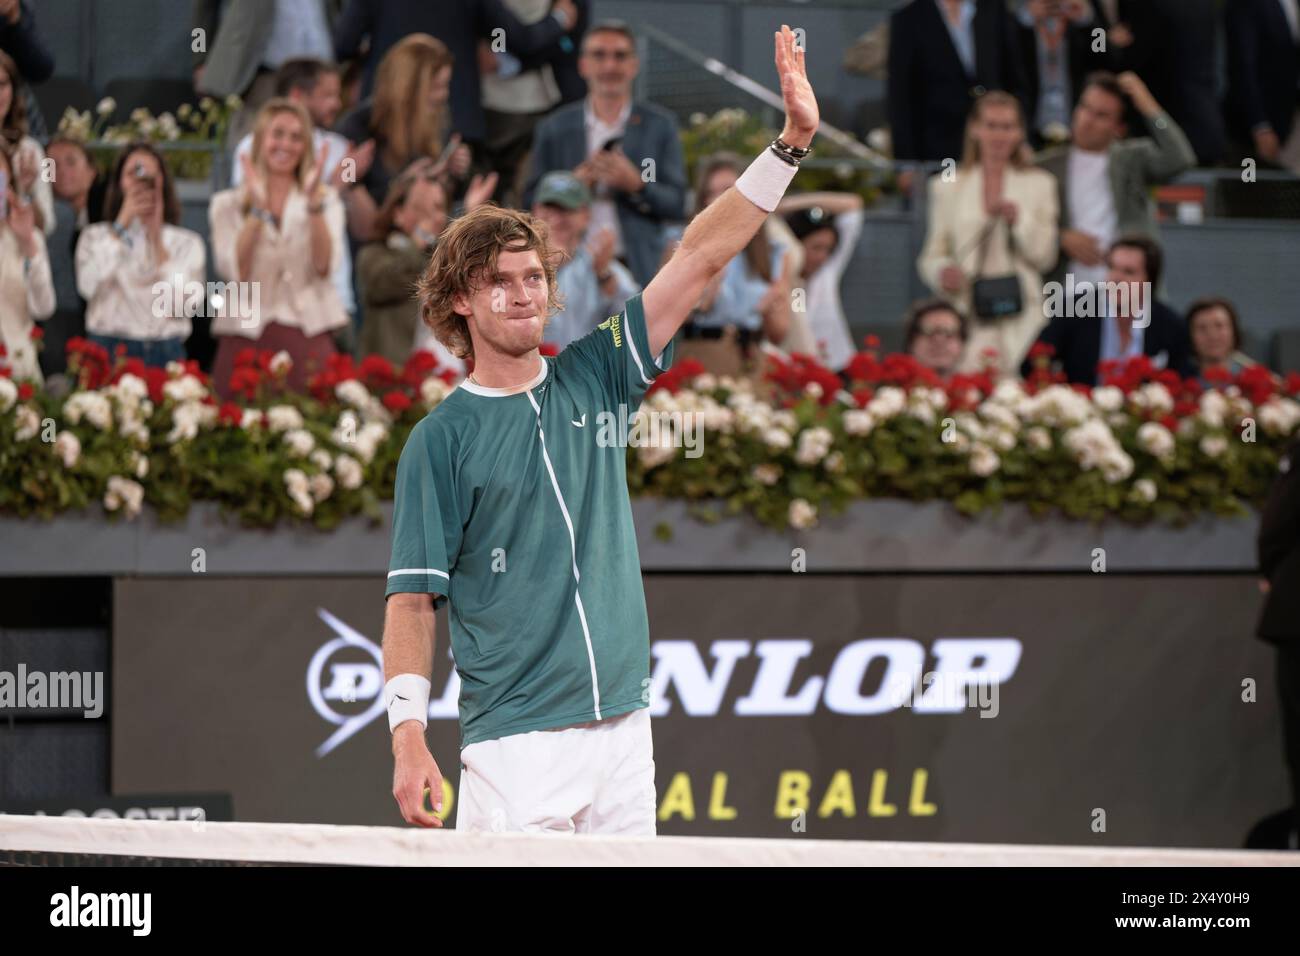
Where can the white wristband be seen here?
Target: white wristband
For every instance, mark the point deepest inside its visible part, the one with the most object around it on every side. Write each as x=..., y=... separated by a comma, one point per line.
x=766, y=180
x=407, y=698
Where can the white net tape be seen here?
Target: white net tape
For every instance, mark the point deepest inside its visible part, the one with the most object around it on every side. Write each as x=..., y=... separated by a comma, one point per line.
x=391, y=846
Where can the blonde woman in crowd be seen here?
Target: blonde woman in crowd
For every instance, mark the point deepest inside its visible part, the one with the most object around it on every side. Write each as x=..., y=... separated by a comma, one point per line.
x=407, y=118
x=26, y=284
x=994, y=219
x=137, y=269
x=280, y=235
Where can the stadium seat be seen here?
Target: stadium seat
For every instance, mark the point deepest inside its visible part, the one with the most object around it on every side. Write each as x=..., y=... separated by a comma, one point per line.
x=156, y=94
x=58, y=93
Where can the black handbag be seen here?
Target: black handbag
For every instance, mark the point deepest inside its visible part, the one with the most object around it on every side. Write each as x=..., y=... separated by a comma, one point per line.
x=996, y=297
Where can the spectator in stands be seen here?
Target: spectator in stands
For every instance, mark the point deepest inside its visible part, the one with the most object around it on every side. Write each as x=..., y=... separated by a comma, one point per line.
x=1263, y=77
x=409, y=223
x=1105, y=180
x=408, y=121
x=748, y=301
x=943, y=53
x=1124, y=320
x=995, y=219
x=20, y=38
x=26, y=286
x=1170, y=44
x=315, y=85
x=25, y=154
x=1215, y=332
x=122, y=261
x=247, y=41
x=77, y=180
x=517, y=95
x=594, y=285
x=1279, y=620
x=281, y=231
x=1057, y=54
x=613, y=144
x=80, y=188
x=827, y=226
x=935, y=335
x=376, y=26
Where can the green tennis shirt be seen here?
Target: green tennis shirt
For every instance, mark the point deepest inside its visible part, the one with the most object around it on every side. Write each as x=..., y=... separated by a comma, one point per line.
x=514, y=510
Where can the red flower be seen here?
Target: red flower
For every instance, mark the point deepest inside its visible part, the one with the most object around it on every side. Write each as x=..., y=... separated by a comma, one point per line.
x=4, y=351
x=244, y=380
x=1042, y=350
x=678, y=376
x=155, y=378
x=1292, y=385
x=230, y=414
x=38, y=333
x=377, y=372
x=25, y=391
x=245, y=356
x=396, y=401
x=872, y=341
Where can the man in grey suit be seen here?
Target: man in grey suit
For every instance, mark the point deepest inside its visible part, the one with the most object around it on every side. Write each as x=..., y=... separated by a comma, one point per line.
x=628, y=154
x=245, y=42
x=1104, y=179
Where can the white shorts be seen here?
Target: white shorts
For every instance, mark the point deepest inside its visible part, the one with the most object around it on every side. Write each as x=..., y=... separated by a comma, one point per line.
x=597, y=777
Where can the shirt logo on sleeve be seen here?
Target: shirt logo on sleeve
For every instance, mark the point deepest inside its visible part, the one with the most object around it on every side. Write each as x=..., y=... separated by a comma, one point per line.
x=612, y=323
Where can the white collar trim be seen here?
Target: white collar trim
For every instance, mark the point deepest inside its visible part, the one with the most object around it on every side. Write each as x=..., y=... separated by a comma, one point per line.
x=475, y=389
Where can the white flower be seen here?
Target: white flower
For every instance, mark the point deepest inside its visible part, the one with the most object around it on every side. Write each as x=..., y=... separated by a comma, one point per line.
x=1058, y=405
x=1008, y=392
x=123, y=492
x=1155, y=439
x=802, y=515
x=280, y=363
x=187, y=388
x=1108, y=398
x=705, y=382
x=777, y=439
x=1000, y=416
x=321, y=459
x=834, y=462
x=299, y=442
x=433, y=390
x=132, y=390
x=368, y=439
x=1214, y=408
x=299, y=488
x=766, y=474
x=349, y=472
x=858, y=422
x=283, y=418
x=1091, y=443
x=1144, y=490
x=656, y=452
x=814, y=445
x=8, y=394
x=887, y=402
x=814, y=390
x=68, y=447
x=141, y=464
x=1116, y=465
x=322, y=486
x=1212, y=446
x=983, y=460
x=106, y=106
x=352, y=392
x=1038, y=438
x=93, y=406
x=1004, y=440
x=1155, y=396
x=786, y=419
x=252, y=418
x=186, y=419
x=26, y=423
x=1279, y=416
x=922, y=411
x=174, y=369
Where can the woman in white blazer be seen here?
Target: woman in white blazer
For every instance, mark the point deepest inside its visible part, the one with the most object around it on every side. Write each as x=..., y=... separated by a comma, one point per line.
x=991, y=198
x=26, y=284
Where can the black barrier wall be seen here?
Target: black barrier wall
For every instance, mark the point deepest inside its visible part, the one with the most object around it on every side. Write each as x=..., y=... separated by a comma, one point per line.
x=1071, y=709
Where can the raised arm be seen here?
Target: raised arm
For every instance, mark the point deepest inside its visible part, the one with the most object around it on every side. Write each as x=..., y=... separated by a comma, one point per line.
x=833, y=203
x=720, y=232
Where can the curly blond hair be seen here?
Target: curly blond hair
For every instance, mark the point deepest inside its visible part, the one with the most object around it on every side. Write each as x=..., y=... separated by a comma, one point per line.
x=466, y=258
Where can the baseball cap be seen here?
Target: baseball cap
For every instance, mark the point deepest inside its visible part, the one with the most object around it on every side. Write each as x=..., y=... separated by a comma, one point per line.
x=563, y=189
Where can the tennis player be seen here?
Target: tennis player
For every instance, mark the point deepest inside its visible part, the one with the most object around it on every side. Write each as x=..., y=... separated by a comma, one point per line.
x=509, y=509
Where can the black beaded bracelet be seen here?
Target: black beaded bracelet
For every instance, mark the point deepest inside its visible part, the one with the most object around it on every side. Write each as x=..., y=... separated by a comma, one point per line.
x=791, y=154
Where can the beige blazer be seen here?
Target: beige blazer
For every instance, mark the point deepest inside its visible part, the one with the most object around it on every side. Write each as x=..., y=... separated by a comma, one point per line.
x=956, y=219
x=26, y=296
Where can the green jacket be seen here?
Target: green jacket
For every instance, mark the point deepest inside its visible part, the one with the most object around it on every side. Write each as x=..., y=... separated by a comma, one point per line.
x=1135, y=166
x=386, y=277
